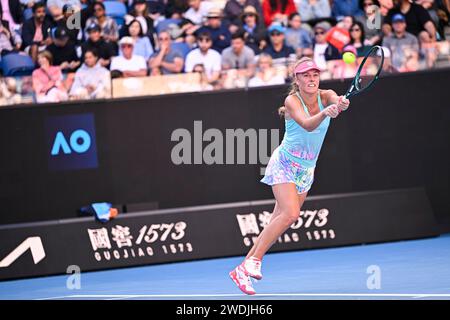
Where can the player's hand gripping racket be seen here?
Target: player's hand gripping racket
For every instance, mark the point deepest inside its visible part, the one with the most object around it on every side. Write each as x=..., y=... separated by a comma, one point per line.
x=368, y=72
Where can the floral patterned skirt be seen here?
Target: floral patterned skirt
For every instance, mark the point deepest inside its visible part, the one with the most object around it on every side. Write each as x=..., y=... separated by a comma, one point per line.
x=281, y=169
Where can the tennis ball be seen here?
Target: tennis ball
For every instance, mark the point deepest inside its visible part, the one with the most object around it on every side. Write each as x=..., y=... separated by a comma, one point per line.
x=348, y=57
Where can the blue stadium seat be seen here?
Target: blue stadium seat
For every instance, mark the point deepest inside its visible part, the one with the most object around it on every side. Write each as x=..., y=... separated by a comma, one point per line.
x=162, y=25
x=116, y=10
x=15, y=64
x=181, y=47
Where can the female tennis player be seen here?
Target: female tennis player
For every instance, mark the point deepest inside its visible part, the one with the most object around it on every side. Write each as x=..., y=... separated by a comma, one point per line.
x=290, y=170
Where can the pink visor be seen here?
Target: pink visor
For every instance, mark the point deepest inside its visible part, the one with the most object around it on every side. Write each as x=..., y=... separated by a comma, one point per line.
x=306, y=66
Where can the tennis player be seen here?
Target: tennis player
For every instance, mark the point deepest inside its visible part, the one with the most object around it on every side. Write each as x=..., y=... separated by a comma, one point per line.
x=290, y=170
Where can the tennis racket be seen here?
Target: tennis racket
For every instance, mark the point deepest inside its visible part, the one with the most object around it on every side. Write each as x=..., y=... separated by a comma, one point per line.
x=368, y=72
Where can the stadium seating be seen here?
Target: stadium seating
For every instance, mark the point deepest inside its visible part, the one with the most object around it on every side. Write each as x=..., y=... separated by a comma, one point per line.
x=16, y=64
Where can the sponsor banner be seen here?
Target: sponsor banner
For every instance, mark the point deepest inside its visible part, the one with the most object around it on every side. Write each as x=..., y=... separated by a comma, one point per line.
x=210, y=231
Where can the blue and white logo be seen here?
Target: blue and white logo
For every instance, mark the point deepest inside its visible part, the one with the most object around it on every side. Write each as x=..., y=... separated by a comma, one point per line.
x=71, y=141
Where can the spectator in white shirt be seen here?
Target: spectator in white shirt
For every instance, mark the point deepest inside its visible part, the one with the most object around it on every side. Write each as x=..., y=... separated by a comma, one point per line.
x=209, y=58
x=266, y=75
x=197, y=11
x=128, y=64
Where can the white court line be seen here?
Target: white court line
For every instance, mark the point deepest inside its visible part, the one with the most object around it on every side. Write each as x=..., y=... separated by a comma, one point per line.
x=118, y=296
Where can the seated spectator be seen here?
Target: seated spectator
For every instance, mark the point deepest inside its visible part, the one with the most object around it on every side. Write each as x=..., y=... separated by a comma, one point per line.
x=278, y=11
x=110, y=29
x=322, y=50
x=343, y=8
x=48, y=83
x=35, y=31
x=11, y=11
x=70, y=21
x=95, y=41
x=142, y=45
x=8, y=92
x=404, y=46
x=55, y=7
x=339, y=35
x=357, y=39
x=418, y=21
x=439, y=12
x=172, y=9
x=254, y=29
x=297, y=37
x=234, y=9
x=140, y=11
x=198, y=10
x=129, y=64
x=371, y=21
x=239, y=56
x=209, y=58
x=10, y=41
x=92, y=81
x=205, y=84
x=63, y=51
x=342, y=70
x=220, y=34
x=277, y=49
x=266, y=74
x=166, y=60
x=311, y=10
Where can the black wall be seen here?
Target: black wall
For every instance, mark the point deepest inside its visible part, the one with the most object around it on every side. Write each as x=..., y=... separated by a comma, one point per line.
x=396, y=135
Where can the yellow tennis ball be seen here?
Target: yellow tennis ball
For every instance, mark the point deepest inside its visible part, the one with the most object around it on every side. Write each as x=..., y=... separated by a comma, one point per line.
x=348, y=57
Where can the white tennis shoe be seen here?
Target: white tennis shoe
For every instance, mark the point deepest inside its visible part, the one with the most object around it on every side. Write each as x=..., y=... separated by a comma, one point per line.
x=252, y=267
x=242, y=280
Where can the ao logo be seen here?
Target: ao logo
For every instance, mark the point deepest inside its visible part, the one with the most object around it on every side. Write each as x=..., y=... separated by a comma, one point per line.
x=79, y=142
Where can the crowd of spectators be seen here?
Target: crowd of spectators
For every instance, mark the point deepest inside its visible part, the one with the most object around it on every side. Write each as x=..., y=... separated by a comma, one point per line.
x=77, y=46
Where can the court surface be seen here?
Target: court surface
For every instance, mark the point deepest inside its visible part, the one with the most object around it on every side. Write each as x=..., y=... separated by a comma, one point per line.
x=414, y=269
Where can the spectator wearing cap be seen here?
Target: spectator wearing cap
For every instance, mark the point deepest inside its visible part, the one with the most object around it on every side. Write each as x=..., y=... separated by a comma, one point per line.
x=322, y=50
x=342, y=8
x=404, y=46
x=277, y=11
x=166, y=60
x=140, y=11
x=418, y=20
x=296, y=36
x=109, y=27
x=239, y=56
x=220, y=34
x=277, y=48
x=104, y=49
x=48, y=84
x=142, y=45
x=92, y=81
x=55, y=7
x=36, y=31
x=312, y=10
x=266, y=74
x=11, y=11
x=128, y=64
x=198, y=10
x=340, y=69
x=254, y=29
x=63, y=51
x=205, y=55
x=234, y=10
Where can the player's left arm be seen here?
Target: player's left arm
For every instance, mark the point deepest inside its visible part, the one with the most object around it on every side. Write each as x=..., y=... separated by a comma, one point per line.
x=331, y=97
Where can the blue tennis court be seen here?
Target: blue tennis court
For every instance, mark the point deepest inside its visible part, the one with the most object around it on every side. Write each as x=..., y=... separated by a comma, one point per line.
x=415, y=269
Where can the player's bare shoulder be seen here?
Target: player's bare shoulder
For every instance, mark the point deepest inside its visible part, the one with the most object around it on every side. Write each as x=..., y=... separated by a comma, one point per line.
x=326, y=94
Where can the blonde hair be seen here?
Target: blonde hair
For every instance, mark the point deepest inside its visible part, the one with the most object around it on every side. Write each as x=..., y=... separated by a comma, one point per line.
x=293, y=89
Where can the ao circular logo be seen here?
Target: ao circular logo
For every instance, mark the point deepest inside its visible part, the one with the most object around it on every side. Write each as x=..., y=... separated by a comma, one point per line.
x=79, y=142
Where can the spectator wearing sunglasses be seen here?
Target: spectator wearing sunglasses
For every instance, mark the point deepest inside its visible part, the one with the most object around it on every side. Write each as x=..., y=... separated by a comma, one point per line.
x=128, y=64
x=322, y=50
x=357, y=39
x=109, y=27
x=277, y=48
x=254, y=29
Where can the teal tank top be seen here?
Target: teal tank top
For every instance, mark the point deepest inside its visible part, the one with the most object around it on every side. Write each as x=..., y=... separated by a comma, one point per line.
x=303, y=146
